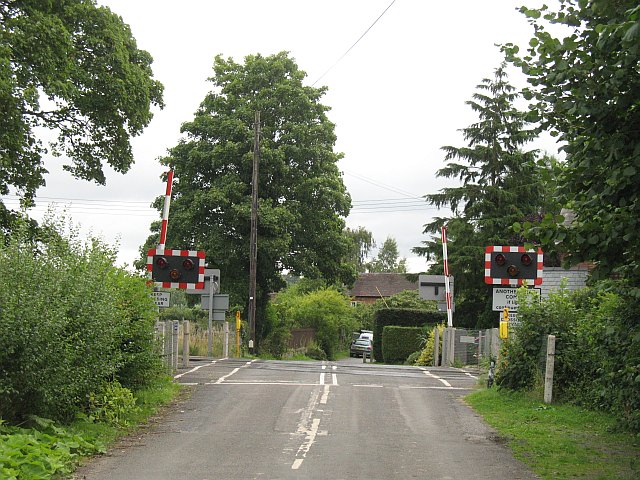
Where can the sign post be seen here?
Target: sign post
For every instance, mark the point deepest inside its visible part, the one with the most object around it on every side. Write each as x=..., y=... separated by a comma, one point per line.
x=447, y=287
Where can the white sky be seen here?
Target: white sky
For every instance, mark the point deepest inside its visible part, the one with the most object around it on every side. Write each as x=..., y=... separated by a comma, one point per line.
x=396, y=98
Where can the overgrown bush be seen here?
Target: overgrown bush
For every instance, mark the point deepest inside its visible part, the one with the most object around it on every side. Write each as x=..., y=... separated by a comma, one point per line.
x=425, y=356
x=69, y=321
x=597, y=362
x=112, y=404
x=325, y=310
x=315, y=351
x=277, y=342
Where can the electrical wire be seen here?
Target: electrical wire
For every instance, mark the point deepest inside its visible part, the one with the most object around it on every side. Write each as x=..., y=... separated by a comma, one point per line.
x=354, y=44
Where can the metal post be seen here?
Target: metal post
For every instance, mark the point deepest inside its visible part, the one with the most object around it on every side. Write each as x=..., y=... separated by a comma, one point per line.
x=436, y=346
x=185, y=343
x=548, y=375
x=167, y=344
x=495, y=343
x=210, y=334
x=452, y=346
x=174, y=352
x=225, y=344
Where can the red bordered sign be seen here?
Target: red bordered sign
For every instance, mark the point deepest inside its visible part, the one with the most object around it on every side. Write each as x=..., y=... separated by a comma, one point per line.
x=176, y=268
x=507, y=265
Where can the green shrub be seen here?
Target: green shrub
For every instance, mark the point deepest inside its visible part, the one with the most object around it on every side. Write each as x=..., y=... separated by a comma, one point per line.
x=399, y=342
x=325, y=310
x=316, y=352
x=112, y=404
x=426, y=354
x=69, y=321
x=413, y=358
x=597, y=361
x=277, y=342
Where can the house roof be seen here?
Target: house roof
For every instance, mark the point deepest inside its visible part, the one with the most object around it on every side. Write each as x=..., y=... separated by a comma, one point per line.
x=368, y=284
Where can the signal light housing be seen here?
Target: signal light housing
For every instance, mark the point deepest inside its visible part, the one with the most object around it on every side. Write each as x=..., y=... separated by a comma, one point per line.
x=176, y=268
x=507, y=265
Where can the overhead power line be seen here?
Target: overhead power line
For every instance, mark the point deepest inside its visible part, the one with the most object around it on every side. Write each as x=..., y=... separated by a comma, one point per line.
x=354, y=44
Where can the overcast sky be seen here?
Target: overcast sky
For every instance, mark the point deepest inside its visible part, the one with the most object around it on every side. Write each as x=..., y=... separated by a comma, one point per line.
x=396, y=98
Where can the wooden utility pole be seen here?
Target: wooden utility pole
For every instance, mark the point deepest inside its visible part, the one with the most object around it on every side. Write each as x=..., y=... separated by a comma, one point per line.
x=253, y=247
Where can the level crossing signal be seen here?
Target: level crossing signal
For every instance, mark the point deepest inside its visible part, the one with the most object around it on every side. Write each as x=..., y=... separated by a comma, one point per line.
x=508, y=265
x=176, y=268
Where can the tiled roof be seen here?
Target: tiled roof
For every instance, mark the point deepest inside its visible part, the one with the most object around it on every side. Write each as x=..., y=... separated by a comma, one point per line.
x=368, y=284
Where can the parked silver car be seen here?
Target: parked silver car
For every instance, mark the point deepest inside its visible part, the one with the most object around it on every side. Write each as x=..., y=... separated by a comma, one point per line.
x=360, y=347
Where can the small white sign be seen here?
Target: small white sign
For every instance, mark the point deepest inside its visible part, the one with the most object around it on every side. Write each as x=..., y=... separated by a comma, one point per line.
x=505, y=297
x=161, y=298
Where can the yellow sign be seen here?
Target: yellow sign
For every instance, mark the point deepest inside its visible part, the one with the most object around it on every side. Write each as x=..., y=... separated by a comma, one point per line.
x=238, y=327
x=504, y=324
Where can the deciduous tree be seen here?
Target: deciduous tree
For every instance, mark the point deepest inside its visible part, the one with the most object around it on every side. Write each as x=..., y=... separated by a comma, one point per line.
x=585, y=88
x=74, y=68
x=302, y=198
x=388, y=259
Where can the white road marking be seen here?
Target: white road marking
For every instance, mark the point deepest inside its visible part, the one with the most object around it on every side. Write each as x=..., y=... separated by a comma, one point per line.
x=222, y=379
x=369, y=386
x=194, y=369
x=334, y=378
x=325, y=395
x=289, y=384
x=472, y=376
x=309, y=440
x=235, y=370
x=407, y=387
x=322, y=378
x=444, y=382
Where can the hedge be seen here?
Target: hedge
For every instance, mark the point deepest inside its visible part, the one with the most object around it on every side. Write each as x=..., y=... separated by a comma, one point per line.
x=401, y=317
x=400, y=342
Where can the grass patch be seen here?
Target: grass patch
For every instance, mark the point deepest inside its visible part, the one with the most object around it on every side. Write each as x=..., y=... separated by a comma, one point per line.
x=44, y=449
x=560, y=441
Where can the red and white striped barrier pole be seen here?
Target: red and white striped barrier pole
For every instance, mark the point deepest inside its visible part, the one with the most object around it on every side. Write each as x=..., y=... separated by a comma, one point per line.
x=447, y=287
x=165, y=211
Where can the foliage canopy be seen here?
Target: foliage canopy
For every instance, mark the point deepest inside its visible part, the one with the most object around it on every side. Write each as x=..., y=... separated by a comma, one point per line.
x=585, y=89
x=74, y=68
x=302, y=198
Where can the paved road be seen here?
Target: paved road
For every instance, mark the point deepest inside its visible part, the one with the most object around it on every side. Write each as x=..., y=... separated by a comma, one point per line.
x=315, y=420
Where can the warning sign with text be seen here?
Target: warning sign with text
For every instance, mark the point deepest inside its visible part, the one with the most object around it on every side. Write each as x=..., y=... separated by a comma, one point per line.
x=507, y=298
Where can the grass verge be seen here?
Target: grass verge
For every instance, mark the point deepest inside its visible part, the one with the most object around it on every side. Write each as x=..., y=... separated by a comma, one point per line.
x=560, y=441
x=45, y=449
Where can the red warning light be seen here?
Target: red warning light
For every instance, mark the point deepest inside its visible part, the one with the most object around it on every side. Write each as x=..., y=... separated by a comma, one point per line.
x=500, y=259
x=188, y=264
x=161, y=262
